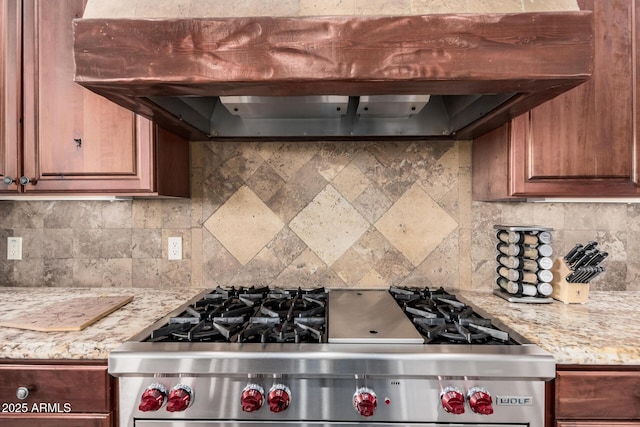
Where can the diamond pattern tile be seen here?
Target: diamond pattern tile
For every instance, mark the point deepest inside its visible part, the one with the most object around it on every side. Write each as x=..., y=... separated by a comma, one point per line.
x=329, y=225
x=244, y=225
x=415, y=225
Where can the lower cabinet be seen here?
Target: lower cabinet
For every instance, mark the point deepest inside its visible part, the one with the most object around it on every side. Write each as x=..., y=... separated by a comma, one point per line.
x=60, y=394
x=597, y=396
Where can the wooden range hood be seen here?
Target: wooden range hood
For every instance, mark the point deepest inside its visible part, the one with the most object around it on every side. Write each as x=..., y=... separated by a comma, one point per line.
x=476, y=71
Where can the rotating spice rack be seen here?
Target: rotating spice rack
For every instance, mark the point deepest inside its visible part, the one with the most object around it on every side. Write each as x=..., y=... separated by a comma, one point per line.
x=524, y=263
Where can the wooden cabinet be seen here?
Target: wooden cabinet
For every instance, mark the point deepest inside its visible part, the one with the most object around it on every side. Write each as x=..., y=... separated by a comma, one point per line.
x=10, y=71
x=597, y=396
x=71, y=394
x=581, y=143
x=72, y=140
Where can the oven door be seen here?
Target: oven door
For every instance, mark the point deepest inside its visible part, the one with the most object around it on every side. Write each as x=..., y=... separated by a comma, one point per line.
x=177, y=423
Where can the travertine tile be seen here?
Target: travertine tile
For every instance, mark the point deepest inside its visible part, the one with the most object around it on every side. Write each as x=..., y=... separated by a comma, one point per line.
x=331, y=159
x=22, y=214
x=87, y=243
x=291, y=157
x=494, y=6
x=373, y=280
x=244, y=225
x=549, y=5
x=73, y=214
x=329, y=225
x=88, y=273
x=117, y=273
x=57, y=272
x=439, y=178
x=196, y=257
x=175, y=274
x=441, y=266
x=416, y=225
x=425, y=7
x=57, y=243
x=350, y=182
x=383, y=7
x=146, y=213
x=117, y=214
x=32, y=242
x=176, y=213
x=162, y=8
x=244, y=8
x=286, y=246
x=245, y=161
x=27, y=273
x=109, y=9
x=372, y=203
x=265, y=182
x=116, y=243
x=219, y=265
x=464, y=258
x=262, y=270
x=196, y=197
x=327, y=7
x=351, y=267
x=147, y=243
x=145, y=273
x=304, y=271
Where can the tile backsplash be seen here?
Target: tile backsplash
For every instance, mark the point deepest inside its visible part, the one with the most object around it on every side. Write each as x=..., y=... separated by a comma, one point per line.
x=336, y=214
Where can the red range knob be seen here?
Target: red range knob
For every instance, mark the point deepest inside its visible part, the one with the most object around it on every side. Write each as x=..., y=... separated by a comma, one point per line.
x=179, y=398
x=252, y=398
x=279, y=398
x=452, y=400
x=153, y=398
x=480, y=401
x=365, y=401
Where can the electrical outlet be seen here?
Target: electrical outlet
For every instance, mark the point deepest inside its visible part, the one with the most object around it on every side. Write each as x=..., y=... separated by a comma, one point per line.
x=14, y=248
x=175, y=248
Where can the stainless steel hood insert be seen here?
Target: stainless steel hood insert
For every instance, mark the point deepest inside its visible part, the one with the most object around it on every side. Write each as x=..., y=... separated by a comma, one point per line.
x=477, y=71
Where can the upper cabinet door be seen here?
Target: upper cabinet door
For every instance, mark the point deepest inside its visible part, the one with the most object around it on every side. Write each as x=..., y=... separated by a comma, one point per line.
x=75, y=140
x=10, y=74
x=580, y=144
x=587, y=134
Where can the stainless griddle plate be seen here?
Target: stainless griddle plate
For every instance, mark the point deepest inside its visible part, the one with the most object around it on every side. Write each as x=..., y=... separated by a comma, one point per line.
x=368, y=316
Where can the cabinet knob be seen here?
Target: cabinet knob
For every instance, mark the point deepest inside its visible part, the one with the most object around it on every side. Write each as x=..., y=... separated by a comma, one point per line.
x=24, y=180
x=22, y=393
x=8, y=180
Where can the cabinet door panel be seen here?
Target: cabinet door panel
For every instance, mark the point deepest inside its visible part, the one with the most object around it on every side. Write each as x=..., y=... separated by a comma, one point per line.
x=81, y=388
x=583, y=142
x=588, y=132
x=592, y=395
x=75, y=140
x=10, y=72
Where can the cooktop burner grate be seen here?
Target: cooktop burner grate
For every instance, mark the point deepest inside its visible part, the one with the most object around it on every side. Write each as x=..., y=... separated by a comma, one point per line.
x=251, y=314
x=441, y=318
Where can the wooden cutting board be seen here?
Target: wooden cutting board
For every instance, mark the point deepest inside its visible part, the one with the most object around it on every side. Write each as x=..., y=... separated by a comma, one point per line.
x=74, y=314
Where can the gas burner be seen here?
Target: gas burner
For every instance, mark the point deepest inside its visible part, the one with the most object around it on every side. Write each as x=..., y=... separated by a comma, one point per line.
x=250, y=315
x=441, y=318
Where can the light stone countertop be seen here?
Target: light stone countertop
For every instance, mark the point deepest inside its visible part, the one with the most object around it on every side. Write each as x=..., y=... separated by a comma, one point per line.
x=96, y=340
x=603, y=331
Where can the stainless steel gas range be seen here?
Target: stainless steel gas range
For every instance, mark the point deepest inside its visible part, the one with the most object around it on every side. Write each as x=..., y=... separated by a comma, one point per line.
x=310, y=357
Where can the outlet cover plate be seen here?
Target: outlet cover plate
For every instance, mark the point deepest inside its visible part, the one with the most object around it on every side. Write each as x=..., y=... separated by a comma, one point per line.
x=174, y=248
x=14, y=248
